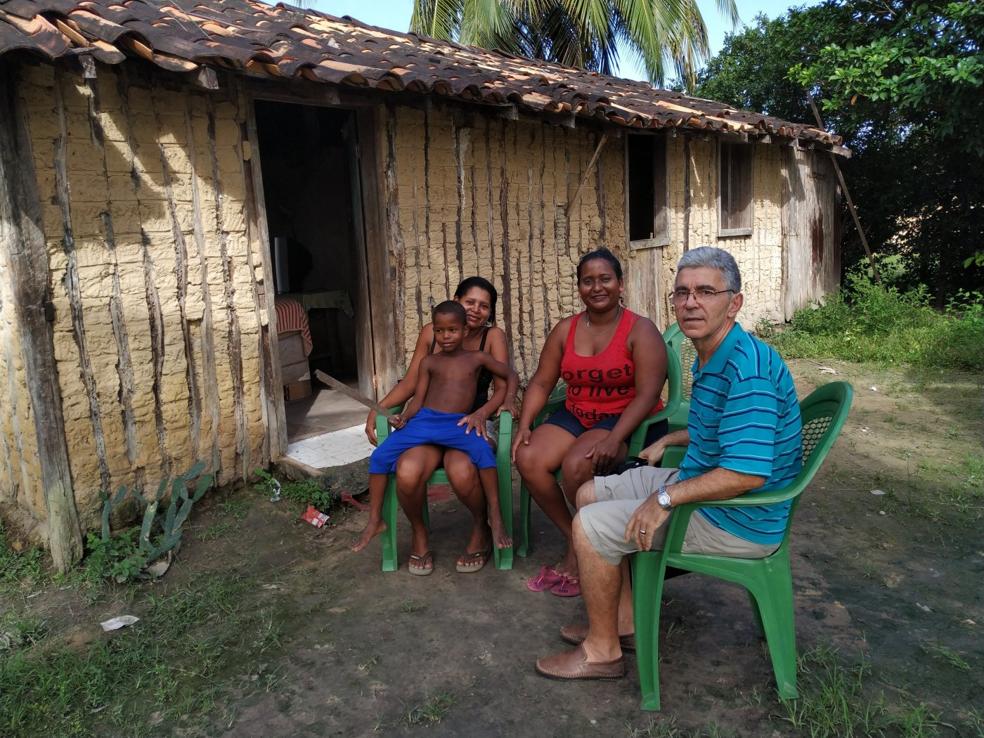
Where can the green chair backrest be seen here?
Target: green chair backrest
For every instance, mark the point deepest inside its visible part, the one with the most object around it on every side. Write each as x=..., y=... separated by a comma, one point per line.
x=686, y=353
x=823, y=413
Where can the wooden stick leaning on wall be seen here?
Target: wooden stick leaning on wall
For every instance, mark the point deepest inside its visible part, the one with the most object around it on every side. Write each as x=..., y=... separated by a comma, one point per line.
x=587, y=173
x=847, y=195
x=345, y=389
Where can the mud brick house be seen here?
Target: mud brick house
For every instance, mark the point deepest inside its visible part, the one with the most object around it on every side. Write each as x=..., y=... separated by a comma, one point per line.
x=167, y=168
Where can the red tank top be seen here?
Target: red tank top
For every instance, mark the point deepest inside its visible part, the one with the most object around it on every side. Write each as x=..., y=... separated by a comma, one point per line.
x=602, y=385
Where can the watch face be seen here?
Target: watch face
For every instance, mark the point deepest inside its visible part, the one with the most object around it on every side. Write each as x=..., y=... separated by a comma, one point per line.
x=663, y=498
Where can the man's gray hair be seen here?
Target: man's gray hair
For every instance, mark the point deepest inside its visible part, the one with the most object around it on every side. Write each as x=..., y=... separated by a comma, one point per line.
x=715, y=258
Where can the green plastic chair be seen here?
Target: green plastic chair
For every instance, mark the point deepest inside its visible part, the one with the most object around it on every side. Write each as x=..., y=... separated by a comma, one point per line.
x=503, y=557
x=768, y=581
x=636, y=440
x=687, y=354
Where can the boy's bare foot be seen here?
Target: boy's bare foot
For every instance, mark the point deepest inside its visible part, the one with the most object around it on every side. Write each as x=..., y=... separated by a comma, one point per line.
x=499, y=535
x=372, y=529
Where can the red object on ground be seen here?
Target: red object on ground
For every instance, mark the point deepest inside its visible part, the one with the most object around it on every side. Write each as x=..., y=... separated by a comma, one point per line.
x=314, y=516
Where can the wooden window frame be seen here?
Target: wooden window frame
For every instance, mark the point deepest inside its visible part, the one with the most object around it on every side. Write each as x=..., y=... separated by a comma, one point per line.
x=662, y=237
x=743, y=230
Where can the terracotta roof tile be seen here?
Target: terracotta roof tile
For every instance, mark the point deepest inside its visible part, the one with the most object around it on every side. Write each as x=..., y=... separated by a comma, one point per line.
x=284, y=41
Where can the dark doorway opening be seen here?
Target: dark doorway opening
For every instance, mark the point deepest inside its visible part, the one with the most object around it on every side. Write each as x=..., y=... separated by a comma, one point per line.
x=309, y=164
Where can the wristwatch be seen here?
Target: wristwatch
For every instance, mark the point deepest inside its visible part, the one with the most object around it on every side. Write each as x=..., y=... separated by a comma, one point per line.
x=663, y=498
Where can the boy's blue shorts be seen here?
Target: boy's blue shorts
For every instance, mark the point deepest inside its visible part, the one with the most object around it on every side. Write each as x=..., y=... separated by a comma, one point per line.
x=435, y=428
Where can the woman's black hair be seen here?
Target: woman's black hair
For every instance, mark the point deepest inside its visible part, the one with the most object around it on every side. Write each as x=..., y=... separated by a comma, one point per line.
x=482, y=284
x=604, y=254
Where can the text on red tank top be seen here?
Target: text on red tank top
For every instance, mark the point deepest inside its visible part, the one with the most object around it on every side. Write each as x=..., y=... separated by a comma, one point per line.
x=602, y=385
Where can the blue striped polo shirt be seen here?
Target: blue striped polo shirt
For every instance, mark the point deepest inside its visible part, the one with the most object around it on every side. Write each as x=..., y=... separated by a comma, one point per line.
x=744, y=416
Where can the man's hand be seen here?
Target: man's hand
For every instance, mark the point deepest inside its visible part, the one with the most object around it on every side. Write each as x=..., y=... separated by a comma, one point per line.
x=396, y=420
x=645, y=521
x=475, y=422
x=604, y=453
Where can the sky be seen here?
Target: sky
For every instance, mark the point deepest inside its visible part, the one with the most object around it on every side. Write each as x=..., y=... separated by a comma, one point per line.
x=395, y=15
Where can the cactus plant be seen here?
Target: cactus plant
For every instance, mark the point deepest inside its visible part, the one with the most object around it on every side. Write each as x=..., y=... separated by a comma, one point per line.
x=160, y=532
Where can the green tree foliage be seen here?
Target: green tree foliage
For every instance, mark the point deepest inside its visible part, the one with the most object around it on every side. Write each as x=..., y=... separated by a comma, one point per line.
x=903, y=82
x=577, y=33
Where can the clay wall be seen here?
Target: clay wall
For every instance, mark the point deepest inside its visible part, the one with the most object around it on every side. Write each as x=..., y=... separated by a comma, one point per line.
x=154, y=279
x=759, y=255
x=21, y=491
x=475, y=194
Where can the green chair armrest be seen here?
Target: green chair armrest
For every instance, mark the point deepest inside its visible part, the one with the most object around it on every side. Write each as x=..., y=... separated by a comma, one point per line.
x=503, y=443
x=382, y=424
x=673, y=456
x=756, y=498
x=555, y=401
x=637, y=440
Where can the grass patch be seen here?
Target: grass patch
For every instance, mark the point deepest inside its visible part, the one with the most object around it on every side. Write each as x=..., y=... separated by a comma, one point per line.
x=170, y=666
x=668, y=728
x=234, y=509
x=17, y=631
x=320, y=492
x=412, y=606
x=946, y=655
x=119, y=558
x=870, y=322
x=834, y=703
x=950, y=493
x=232, y=512
x=19, y=569
x=217, y=530
x=430, y=712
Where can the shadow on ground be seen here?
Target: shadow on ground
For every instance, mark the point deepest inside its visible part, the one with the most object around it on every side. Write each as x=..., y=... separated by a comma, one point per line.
x=892, y=577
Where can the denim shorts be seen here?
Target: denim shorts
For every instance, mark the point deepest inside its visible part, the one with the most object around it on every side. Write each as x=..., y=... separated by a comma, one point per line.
x=564, y=418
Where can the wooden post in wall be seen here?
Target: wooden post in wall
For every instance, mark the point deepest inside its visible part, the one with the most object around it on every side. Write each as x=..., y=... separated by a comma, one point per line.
x=22, y=238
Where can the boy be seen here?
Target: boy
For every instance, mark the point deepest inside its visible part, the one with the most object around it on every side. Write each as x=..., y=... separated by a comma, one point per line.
x=435, y=415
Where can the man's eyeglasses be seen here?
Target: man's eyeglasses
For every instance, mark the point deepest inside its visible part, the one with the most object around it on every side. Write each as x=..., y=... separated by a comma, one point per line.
x=700, y=294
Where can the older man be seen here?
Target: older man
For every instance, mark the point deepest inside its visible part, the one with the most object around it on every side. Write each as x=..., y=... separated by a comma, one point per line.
x=743, y=436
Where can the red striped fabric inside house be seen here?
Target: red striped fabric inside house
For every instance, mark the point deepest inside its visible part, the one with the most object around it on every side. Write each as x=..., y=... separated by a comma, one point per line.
x=291, y=316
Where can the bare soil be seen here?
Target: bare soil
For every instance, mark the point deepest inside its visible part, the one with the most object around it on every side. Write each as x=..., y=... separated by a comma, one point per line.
x=895, y=578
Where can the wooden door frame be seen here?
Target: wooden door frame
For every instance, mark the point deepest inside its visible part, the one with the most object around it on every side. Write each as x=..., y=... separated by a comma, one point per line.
x=375, y=333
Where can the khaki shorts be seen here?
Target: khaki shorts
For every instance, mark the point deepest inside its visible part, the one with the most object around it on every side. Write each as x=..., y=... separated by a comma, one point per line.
x=618, y=496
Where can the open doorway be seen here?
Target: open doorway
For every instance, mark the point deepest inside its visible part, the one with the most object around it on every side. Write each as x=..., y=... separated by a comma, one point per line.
x=309, y=161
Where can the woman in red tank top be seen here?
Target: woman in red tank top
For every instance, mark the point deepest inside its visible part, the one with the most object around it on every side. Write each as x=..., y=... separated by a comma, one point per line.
x=614, y=364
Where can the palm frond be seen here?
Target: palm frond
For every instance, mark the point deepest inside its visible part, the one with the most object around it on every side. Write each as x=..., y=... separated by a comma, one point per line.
x=579, y=33
x=436, y=18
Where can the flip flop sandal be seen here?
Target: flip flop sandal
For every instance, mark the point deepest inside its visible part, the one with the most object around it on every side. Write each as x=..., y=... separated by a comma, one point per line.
x=469, y=563
x=567, y=587
x=425, y=564
x=547, y=578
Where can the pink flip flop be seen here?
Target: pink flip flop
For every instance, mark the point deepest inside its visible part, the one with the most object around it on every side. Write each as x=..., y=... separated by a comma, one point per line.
x=567, y=587
x=546, y=579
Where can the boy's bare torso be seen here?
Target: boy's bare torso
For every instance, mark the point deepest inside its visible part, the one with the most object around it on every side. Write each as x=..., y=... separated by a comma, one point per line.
x=453, y=380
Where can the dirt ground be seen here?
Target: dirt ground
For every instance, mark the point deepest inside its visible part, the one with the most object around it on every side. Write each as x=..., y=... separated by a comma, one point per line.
x=894, y=578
